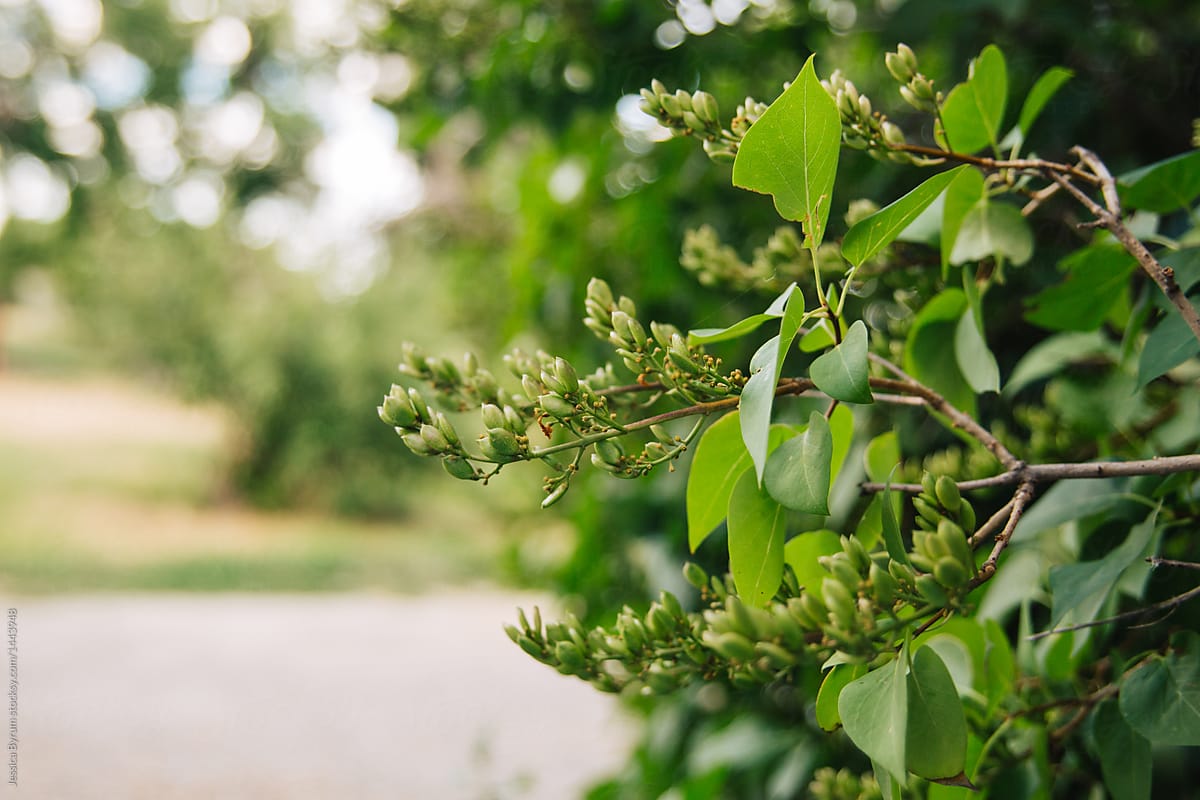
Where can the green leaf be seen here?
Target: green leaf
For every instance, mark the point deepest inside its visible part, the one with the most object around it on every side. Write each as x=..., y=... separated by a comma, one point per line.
x=747, y=325
x=734, y=331
x=757, y=525
x=936, y=729
x=892, y=539
x=870, y=235
x=963, y=194
x=1124, y=754
x=1170, y=344
x=1045, y=87
x=791, y=153
x=802, y=552
x=874, y=711
x=974, y=109
x=1097, y=277
x=758, y=395
x=993, y=229
x=1082, y=587
x=929, y=351
x=1161, y=701
x=831, y=689
x=798, y=472
x=1163, y=186
x=1051, y=355
x=999, y=668
x=881, y=456
x=975, y=360
x=721, y=456
x=1068, y=500
x=842, y=372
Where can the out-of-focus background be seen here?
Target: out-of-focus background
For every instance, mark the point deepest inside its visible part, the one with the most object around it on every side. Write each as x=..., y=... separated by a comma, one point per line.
x=219, y=219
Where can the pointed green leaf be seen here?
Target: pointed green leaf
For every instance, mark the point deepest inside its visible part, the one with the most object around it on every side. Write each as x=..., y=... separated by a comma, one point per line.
x=1170, y=344
x=1161, y=701
x=801, y=553
x=791, y=153
x=757, y=525
x=835, y=681
x=720, y=457
x=797, y=474
x=936, y=729
x=1097, y=277
x=963, y=194
x=734, y=331
x=993, y=229
x=1082, y=587
x=758, y=395
x=1163, y=186
x=842, y=372
x=892, y=538
x=1052, y=355
x=976, y=361
x=870, y=235
x=1045, y=87
x=974, y=109
x=874, y=711
x=929, y=350
x=1124, y=754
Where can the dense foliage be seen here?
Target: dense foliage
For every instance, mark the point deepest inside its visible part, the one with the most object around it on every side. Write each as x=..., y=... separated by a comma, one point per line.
x=998, y=651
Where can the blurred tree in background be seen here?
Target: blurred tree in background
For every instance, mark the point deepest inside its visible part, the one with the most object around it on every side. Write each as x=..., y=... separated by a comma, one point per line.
x=255, y=200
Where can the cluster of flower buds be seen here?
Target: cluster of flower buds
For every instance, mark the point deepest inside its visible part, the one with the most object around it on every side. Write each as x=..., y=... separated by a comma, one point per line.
x=697, y=114
x=842, y=784
x=916, y=89
x=940, y=545
x=662, y=356
x=864, y=128
x=466, y=387
x=426, y=432
x=652, y=652
x=608, y=455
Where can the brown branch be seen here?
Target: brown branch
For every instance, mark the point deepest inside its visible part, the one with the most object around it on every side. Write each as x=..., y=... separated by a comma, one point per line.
x=1045, y=473
x=995, y=164
x=1022, y=498
x=1156, y=561
x=1108, y=216
x=1170, y=603
x=991, y=526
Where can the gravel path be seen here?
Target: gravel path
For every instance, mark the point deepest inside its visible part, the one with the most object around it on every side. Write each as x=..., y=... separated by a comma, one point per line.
x=173, y=697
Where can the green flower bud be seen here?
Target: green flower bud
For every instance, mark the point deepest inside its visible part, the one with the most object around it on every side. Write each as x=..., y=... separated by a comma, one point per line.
x=627, y=305
x=733, y=646
x=670, y=105
x=671, y=603
x=513, y=632
x=599, y=293
x=531, y=386
x=853, y=548
x=931, y=590
x=569, y=656
x=663, y=333
x=552, y=382
x=650, y=103
x=531, y=647
x=949, y=572
x=883, y=586
x=906, y=53
x=459, y=467
x=416, y=443
x=694, y=574
x=397, y=409
x=922, y=87
x=447, y=430
x=864, y=106
x=705, y=106
x=493, y=417
x=566, y=374
x=898, y=67
x=555, y=494
x=419, y=406
x=470, y=364
x=620, y=326
x=555, y=406
x=435, y=439
x=684, y=99
x=610, y=450
x=778, y=656
x=911, y=98
x=693, y=123
x=902, y=572
x=837, y=597
x=601, y=464
x=504, y=441
x=892, y=134
x=657, y=87
x=927, y=510
x=845, y=573
x=966, y=516
x=929, y=485
x=514, y=421
x=414, y=362
x=948, y=494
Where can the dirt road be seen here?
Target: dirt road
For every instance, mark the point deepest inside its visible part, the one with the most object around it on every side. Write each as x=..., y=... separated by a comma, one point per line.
x=174, y=697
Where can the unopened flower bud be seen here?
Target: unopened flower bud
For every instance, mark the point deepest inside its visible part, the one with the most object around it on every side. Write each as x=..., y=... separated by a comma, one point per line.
x=598, y=291
x=397, y=409
x=460, y=468
x=503, y=441
x=898, y=67
x=556, y=406
x=446, y=429
x=566, y=374
x=434, y=438
x=416, y=443
x=684, y=99
x=493, y=417
x=705, y=106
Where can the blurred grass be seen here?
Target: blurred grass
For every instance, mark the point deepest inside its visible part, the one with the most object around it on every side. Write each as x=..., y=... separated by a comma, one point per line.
x=106, y=484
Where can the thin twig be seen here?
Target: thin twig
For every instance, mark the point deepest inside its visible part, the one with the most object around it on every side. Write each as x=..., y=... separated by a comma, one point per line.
x=991, y=526
x=1020, y=501
x=1170, y=603
x=1045, y=473
x=994, y=164
x=1109, y=217
x=1155, y=561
